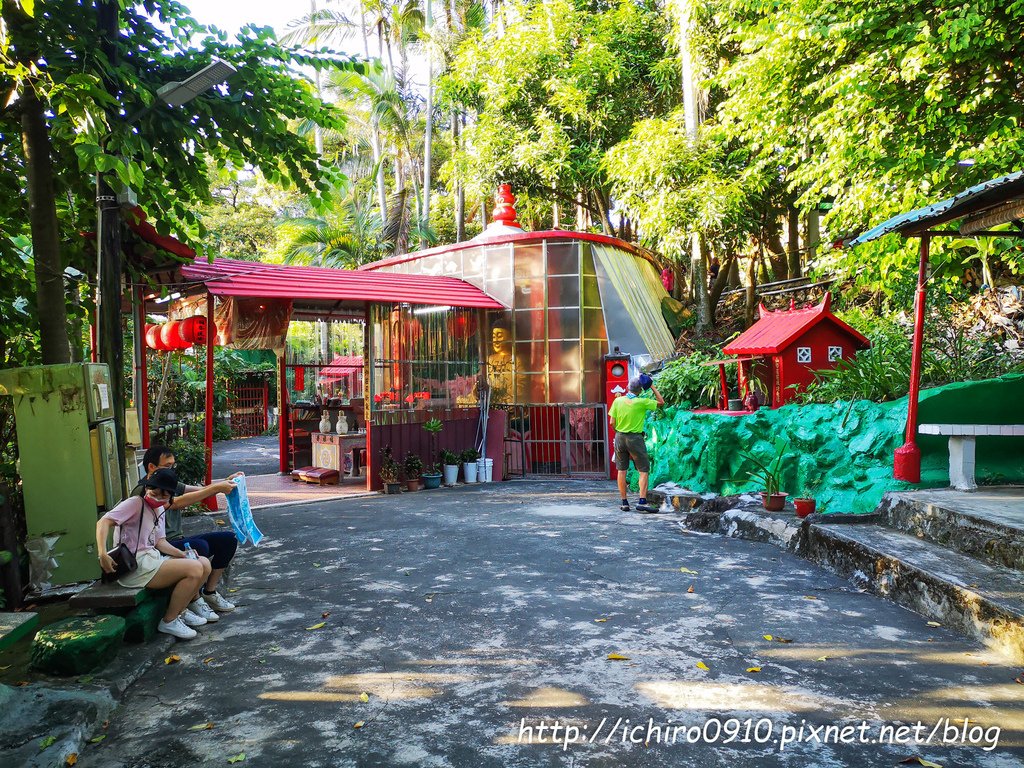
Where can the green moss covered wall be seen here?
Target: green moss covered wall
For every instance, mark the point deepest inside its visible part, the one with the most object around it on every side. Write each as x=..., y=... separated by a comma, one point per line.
x=842, y=453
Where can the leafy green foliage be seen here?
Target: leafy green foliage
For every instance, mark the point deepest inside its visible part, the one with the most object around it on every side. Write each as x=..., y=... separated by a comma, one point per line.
x=768, y=472
x=190, y=459
x=684, y=382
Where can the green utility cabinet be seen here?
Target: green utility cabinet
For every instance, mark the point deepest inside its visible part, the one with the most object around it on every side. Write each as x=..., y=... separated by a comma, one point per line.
x=67, y=462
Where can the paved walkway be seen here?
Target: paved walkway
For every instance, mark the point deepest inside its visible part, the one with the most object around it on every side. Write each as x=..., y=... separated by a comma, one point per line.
x=468, y=616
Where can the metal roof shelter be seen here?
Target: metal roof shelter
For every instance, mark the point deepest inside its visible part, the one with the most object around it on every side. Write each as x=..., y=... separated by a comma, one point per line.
x=774, y=331
x=977, y=209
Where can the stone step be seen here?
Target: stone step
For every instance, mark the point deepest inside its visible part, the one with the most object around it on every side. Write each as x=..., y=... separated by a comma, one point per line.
x=979, y=599
x=987, y=524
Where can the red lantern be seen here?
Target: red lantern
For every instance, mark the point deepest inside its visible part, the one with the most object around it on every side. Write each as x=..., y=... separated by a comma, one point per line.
x=153, y=340
x=192, y=330
x=170, y=337
x=461, y=326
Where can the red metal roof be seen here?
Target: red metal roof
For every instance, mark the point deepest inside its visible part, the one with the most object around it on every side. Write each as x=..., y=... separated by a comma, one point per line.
x=227, y=277
x=774, y=331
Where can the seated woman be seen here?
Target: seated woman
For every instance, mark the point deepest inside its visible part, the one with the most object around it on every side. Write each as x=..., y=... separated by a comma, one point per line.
x=218, y=546
x=141, y=528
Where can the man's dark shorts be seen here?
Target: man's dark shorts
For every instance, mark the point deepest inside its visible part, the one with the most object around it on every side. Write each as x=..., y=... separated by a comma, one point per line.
x=631, y=445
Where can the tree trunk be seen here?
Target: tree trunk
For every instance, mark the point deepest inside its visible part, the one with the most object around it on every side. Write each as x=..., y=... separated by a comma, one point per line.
x=776, y=253
x=720, y=283
x=460, y=192
x=698, y=268
x=813, y=236
x=427, y=136
x=42, y=214
x=793, y=252
x=602, y=206
x=751, y=305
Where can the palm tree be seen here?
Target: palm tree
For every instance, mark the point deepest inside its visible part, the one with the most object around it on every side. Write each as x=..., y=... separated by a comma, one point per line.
x=344, y=239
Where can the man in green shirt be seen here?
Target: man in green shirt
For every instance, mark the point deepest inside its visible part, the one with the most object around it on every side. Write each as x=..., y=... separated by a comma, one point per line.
x=627, y=414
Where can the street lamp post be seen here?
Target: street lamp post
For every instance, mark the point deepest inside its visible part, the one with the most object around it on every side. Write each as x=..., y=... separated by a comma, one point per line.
x=109, y=266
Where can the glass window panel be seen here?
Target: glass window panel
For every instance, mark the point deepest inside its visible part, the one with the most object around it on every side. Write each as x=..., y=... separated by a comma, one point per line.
x=564, y=291
x=530, y=357
x=564, y=387
x=563, y=323
x=587, y=262
x=591, y=293
x=529, y=292
x=592, y=387
x=563, y=259
x=564, y=356
x=593, y=324
x=474, y=261
x=529, y=325
x=593, y=355
x=531, y=388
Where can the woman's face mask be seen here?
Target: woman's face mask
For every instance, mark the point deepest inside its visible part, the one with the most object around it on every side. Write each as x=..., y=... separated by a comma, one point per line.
x=156, y=503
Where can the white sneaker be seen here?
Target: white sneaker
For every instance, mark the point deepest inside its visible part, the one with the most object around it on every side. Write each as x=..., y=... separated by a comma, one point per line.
x=192, y=619
x=176, y=628
x=217, y=602
x=200, y=608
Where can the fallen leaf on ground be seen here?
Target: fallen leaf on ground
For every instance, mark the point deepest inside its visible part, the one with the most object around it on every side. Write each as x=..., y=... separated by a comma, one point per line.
x=364, y=696
x=275, y=648
x=201, y=727
x=600, y=621
x=768, y=637
x=321, y=625
x=237, y=758
x=97, y=739
x=690, y=590
x=172, y=659
x=687, y=570
x=358, y=725
x=232, y=589
x=702, y=665
x=810, y=597
x=208, y=659
x=21, y=684
x=617, y=657
x=933, y=624
x=1020, y=680
x=753, y=669
x=325, y=614
x=220, y=522
x=316, y=565
x=921, y=761
x=783, y=640
x=71, y=759
x=85, y=679
x=4, y=669
x=47, y=742
x=822, y=658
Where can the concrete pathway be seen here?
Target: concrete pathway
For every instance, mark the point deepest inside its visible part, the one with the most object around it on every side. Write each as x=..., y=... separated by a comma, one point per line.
x=468, y=617
x=252, y=455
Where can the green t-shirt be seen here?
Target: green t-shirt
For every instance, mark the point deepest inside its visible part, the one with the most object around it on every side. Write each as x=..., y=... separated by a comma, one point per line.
x=628, y=412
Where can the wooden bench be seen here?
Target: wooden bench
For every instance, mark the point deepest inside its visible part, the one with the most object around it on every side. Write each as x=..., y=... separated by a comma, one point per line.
x=962, y=439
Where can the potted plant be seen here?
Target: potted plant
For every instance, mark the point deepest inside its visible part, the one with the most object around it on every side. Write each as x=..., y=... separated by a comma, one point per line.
x=469, y=466
x=450, y=462
x=769, y=476
x=413, y=466
x=432, y=476
x=806, y=504
x=389, y=472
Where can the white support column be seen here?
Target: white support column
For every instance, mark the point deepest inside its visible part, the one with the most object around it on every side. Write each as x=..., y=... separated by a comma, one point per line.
x=961, y=462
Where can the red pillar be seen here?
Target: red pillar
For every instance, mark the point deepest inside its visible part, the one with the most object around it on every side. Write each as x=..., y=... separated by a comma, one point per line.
x=725, y=387
x=907, y=459
x=143, y=365
x=282, y=414
x=210, y=502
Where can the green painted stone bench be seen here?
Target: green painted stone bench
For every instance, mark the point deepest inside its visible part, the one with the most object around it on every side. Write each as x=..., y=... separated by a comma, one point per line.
x=141, y=608
x=14, y=626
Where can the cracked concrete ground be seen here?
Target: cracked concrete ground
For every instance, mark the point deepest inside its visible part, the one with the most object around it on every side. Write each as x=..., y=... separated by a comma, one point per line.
x=469, y=615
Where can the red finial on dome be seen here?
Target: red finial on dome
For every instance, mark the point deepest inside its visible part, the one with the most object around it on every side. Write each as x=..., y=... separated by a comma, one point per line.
x=503, y=209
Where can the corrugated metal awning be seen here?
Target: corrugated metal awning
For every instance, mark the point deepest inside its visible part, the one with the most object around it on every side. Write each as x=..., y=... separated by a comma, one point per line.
x=974, y=200
x=228, y=277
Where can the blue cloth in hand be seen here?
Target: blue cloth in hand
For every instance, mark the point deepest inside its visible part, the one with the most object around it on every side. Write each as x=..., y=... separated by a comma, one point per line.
x=240, y=514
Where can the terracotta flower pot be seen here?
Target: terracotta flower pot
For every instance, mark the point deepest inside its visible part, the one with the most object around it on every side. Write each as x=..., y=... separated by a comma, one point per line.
x=774, y=502
x=804, y=506
x=413, y=484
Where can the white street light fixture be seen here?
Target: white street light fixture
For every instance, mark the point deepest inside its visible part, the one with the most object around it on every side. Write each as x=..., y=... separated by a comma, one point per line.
x=176, y=94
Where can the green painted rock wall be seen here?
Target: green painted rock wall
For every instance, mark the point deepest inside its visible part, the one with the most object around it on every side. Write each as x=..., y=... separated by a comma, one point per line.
x=77, y=645
x=842, y=453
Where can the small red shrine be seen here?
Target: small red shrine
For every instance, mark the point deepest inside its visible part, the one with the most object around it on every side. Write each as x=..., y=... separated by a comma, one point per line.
x=779, y=354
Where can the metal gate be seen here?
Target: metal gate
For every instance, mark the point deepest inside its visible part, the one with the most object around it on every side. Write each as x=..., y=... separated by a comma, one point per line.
x=562, y=440
x=248, y=405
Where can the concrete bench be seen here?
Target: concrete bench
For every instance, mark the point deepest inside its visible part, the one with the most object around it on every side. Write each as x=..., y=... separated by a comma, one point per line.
x=107, y=596
x=962, y=447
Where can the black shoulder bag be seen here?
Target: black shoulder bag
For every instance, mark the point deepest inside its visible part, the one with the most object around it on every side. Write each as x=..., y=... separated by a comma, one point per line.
x=124, y=558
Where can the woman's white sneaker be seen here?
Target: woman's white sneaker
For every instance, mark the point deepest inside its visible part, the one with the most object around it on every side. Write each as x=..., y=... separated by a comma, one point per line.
x=192, y=619
x=217, y=602
x=200, y=608
x=176, y=628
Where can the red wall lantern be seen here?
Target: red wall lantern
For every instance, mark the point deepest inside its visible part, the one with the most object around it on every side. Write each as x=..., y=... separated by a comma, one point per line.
x=153, y=340
x=192, y=330
x=615, y=382
x=169, y=335
x=461, y=326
